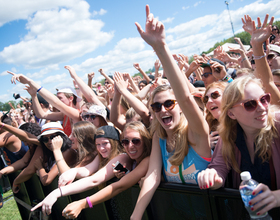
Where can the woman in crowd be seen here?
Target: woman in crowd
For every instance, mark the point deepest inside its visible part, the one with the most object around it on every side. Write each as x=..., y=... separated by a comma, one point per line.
x=212, y=101
x=43, y=160
x=137, y=143
x=180, y=132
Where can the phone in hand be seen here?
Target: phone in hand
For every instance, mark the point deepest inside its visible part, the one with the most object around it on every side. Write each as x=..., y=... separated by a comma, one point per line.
x=120, y=167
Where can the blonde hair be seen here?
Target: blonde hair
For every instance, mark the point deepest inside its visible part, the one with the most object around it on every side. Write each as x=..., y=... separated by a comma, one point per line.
x=213, y=122
x=180, y=136
x=228, y=127
x=145, y=136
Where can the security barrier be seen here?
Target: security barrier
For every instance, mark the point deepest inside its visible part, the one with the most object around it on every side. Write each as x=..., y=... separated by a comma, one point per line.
x=170, y=201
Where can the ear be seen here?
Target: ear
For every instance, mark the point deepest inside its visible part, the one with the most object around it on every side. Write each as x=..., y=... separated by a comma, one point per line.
x=231, y=115
x=71, y=98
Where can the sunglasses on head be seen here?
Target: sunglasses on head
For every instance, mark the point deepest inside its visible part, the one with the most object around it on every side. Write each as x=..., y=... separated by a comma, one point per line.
x=85, y=117
x=134, y=141
x=213, y=95
x=168, y=105
x=252, y=105
x=205, y=75
x=46, y=139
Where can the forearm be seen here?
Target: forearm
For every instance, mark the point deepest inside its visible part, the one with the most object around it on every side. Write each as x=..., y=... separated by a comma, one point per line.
x=47, y=178
x=60, y=162
x=115, y=114
x=144, y=92
x=90, y=83
x=133, y=85
x=145, y=76
x=245, y=63
x=24, y=175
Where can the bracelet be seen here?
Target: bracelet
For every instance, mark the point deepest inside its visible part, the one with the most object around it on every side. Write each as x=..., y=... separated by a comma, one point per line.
x=77, y=88
x=227, y=78
x=58, y=160
x=259, y=57
x=2, y=126
x=89, y=202
x=60, y=192
x=39, y=89
x=151, y=82
x=243, y=59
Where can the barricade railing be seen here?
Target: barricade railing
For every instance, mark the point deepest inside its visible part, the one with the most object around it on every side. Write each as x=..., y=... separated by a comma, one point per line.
x=170, y=201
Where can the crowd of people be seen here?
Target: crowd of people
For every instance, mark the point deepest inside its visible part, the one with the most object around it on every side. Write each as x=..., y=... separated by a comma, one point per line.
x=194, y=123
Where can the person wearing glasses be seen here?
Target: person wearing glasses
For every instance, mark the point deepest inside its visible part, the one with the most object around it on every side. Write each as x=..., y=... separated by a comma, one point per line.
x=181, y=146
x=107, y=141
x=96, y=115
x=137, y=143
x=43, y=161
x=212, y=100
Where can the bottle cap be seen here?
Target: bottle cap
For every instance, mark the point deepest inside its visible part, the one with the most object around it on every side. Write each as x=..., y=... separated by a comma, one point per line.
x=245, y=175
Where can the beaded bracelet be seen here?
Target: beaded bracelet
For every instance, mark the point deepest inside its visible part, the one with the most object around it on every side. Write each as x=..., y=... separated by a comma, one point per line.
x=89, y=203
x=39, y=89
x=259, y=57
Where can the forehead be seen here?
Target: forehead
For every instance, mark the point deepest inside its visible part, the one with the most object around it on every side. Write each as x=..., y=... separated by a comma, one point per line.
x=129, y=132
x=61, y=95
x=164, y=95
x=252, y=91
x=213, y=89
x=101, y=140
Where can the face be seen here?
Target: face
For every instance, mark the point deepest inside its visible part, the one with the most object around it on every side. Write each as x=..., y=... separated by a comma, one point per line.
x=94, y=119
x=133, y=144
x=74, y=141
x=214, y=105
x=250, y=121
x=168, y=119
x=18, y=117
x=84, y=109
x=103, y=146
x=207, y=81
x=274, y=61
x=63, y=98
x=276, y=80
x=141, y=86
x=48, y=140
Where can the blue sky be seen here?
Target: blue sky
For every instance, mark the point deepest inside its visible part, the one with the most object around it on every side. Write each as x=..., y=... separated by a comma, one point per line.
x=38, y=38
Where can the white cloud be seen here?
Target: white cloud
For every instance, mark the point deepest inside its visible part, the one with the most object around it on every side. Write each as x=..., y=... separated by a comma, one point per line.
x=56, y=36
x=168, y=20
x=196, y=4
x=101, y=12
x=57, y=78
x=4, y=73
x=185, y=7
x=43, y=72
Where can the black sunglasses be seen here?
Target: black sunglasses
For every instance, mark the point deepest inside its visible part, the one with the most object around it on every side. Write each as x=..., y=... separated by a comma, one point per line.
x=85, y=117
x=46, y=139
x=272, y=56
x=135, y=141
x=251, y=105
x=213, y=95
x=168, y=105
x=205, y=75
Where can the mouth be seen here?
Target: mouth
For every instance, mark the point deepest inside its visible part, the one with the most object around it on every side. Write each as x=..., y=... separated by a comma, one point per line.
x=262, y=117
x=166, y=119
x=213, y=108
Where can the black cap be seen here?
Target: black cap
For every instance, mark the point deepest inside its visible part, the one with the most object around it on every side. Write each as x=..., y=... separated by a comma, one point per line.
x=40, y=99
x=109, y=132
x=213, y=59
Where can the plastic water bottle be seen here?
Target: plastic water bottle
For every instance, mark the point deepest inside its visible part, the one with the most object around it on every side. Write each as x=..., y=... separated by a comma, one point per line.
x=246, y=188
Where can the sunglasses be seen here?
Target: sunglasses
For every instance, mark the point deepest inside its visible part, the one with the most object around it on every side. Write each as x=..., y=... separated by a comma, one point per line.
x=252, y=105
x=134, y=141
x=85, y=117
x=205, y=75
x=168, y=105
x=46, y=139
x=213, y=95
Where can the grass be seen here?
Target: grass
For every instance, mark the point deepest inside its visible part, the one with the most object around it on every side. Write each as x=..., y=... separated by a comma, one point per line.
x=9, y=211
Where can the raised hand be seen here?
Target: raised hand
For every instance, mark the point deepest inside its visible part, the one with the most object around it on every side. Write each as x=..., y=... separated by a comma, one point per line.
x=72, y=71
x=218, y=70
x=31, y=90
x=248, y=24
x=120, y=83
x=18, y=77
x=57, y=142
x=154, y=33
x=262, y=32
x=91, y=75
x=157, y=64
x=136, y=66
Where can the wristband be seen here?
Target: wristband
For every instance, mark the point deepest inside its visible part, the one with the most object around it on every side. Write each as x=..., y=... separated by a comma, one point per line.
x=259, y=57
x=227, y=78
x=89, y=202
x=39, y=89
x=243, y=59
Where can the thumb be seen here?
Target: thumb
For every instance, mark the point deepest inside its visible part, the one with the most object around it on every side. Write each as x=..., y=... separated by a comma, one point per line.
x=139, y=28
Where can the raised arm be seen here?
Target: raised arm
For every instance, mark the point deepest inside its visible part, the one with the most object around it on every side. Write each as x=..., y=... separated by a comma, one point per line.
x=87, y=91
x=145, y=76
x=154, y=35
x=106, y=76
x=135, y=103
x=258, y=37
x=48, y=96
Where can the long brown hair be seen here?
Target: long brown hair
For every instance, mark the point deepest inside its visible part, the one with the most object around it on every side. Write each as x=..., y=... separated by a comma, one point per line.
x=180, y=136
x=228, y=127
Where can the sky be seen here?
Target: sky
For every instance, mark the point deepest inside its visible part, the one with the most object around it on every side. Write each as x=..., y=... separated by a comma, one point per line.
x=38, y=38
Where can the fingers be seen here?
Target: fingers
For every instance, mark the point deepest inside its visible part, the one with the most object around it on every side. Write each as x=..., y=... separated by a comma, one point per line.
x=139, y=28
x=37, y=206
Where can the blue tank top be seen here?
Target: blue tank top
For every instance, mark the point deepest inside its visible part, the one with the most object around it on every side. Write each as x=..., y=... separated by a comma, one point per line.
x=191, y=166
x=12, y=157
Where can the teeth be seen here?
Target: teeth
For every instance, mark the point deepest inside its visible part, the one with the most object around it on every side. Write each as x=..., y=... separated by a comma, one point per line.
x=165, y=116
x=132, y=152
